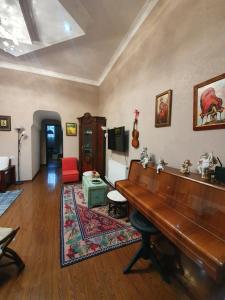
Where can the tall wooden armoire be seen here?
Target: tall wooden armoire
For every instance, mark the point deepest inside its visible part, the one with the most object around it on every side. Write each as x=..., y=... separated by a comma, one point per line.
x=92, y=143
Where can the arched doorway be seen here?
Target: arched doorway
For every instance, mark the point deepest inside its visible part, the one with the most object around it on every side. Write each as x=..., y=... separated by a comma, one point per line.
x=46, y=139
x=52, y=139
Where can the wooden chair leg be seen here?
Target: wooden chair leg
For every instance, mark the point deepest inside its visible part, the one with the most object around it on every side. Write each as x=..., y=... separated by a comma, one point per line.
x=11, y=254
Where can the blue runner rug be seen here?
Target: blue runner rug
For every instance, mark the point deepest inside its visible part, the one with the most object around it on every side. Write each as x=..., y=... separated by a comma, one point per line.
x=7, y=198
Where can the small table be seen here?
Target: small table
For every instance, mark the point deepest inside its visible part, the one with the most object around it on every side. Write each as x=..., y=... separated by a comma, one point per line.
x=117, y=205
x=95, y=190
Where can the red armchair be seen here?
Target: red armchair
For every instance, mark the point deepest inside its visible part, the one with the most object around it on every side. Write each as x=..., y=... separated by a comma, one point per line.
x=70, y=171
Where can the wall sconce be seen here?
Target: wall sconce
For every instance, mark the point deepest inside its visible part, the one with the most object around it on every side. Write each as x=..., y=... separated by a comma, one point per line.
x=105, y=129
x=21, y=134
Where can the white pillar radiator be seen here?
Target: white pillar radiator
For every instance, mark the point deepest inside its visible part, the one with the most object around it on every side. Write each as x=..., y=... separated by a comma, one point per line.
x=116, y=171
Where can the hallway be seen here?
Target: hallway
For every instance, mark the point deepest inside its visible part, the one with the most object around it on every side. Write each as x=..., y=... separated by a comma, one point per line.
x=37, y=212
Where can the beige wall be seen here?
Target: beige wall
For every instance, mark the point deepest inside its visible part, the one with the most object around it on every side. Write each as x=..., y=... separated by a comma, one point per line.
x=181, y=43
x=21, y=94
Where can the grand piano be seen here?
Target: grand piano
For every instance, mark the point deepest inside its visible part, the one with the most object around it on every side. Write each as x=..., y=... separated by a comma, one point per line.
x=188, y=210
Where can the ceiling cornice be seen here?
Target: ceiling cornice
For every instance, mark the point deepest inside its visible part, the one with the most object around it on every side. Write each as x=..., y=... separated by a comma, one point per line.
x=145, y=11
x=44, y=72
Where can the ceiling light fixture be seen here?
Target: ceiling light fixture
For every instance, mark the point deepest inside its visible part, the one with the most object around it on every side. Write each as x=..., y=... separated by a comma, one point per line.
x=7, y=35
x=67, y=26
x=5, y=43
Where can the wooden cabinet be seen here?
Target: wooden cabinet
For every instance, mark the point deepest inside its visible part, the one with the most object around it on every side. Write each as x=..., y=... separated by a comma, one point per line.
x=92, y=144
x=7, y=177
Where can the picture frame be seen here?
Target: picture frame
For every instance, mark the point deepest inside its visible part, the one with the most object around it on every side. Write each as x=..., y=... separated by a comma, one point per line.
x=5, y=123
x=71, y=129
x=163, y=109
x=209, y=104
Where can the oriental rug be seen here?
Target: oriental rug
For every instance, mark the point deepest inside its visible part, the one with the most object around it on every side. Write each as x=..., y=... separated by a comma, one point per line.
x=7, y=198
x=89, y=232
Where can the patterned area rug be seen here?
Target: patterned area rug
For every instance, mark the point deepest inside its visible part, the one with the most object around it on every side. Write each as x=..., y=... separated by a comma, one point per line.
x=7, y=198
x=89, y=232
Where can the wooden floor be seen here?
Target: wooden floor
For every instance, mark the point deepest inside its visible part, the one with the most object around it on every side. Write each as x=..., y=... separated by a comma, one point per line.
x=37, y=212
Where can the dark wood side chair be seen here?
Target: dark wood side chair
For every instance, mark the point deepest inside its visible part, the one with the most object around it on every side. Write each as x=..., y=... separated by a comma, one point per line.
x=6, y=236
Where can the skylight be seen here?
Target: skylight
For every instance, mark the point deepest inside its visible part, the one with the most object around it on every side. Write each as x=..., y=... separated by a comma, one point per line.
x=29, y=25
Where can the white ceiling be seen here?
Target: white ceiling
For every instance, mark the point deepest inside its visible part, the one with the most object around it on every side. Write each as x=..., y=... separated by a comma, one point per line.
x=105, y=28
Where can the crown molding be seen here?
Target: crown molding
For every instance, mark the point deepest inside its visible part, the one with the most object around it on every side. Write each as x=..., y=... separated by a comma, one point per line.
x=142, y=15
x=38, y=71
x=144, y=12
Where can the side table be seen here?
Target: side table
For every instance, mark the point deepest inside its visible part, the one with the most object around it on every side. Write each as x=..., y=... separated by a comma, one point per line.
x=118, y=207
x=94, y=191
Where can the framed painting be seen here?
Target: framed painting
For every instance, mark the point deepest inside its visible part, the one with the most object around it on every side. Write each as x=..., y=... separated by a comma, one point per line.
x=209, y=104
x=163, y=107
x=71, y=129
x=5, y=123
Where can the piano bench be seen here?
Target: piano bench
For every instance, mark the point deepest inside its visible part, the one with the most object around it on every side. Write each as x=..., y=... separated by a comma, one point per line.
x=146, y=251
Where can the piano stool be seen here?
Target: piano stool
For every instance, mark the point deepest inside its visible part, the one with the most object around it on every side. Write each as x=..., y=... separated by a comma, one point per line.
x=147, y=229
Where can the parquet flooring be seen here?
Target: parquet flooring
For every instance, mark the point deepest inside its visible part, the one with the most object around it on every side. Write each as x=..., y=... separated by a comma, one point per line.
x=37, y=212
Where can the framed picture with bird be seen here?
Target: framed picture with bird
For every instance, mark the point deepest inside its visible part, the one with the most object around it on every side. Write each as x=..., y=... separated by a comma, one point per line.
x=209, y=104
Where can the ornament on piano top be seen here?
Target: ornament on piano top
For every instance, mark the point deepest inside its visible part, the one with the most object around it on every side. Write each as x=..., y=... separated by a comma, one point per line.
x=161, y=165
x=185, y=167
x=206, y=165
x=145, y=158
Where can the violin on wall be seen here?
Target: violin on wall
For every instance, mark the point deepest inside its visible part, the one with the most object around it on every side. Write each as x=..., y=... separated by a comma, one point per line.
x=135, y=132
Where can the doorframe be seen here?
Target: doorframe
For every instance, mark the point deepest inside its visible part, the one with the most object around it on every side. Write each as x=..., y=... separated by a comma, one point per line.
x=46, y=139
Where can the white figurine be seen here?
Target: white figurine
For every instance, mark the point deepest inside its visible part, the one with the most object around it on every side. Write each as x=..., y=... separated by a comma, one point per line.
x=185, y=167
x=144, y=157
x=206, y=163
x=161, y=165
x=143, y=153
